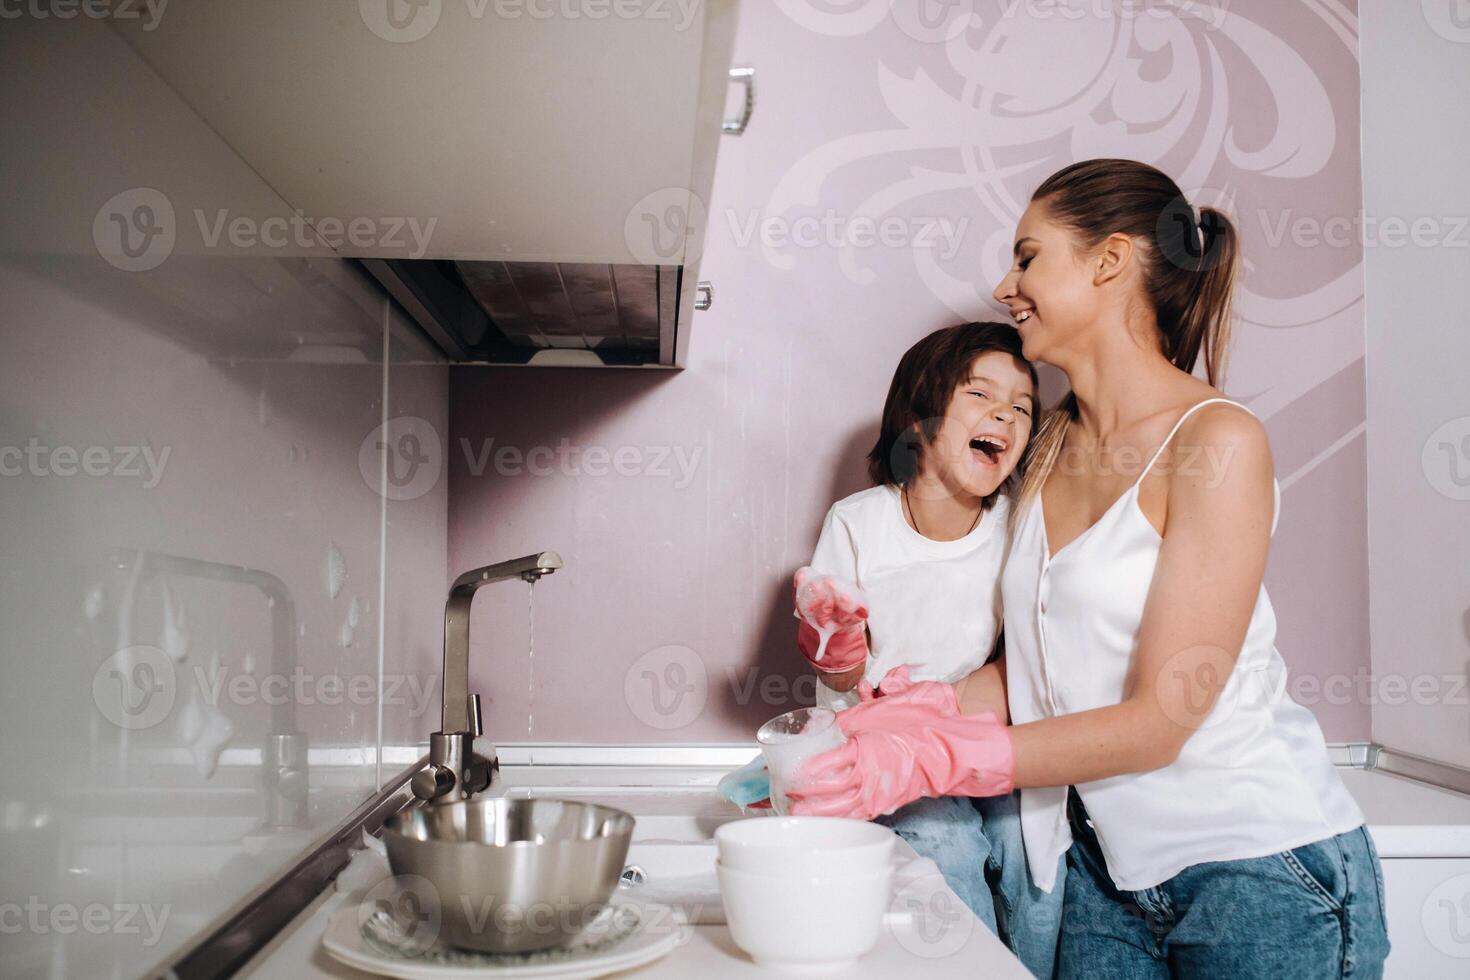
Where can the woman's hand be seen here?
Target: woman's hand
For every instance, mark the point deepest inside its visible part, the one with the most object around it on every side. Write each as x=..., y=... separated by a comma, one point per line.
x=834, y=617
x=905, y=742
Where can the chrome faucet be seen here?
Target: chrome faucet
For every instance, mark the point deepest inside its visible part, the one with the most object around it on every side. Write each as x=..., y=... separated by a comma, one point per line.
x=455, y=771
x=284, y=771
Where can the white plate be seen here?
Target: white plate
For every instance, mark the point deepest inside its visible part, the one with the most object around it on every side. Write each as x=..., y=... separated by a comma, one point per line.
x=656, y=930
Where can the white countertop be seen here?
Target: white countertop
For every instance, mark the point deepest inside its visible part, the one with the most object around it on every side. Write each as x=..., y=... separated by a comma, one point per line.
x=682, y=805
x=1408, y=819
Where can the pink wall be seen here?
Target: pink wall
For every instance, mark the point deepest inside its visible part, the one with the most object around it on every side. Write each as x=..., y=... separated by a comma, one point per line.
x=671, y=620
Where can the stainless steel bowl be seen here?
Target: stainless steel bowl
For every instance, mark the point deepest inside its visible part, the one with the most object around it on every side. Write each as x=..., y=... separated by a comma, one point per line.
x=510, y=876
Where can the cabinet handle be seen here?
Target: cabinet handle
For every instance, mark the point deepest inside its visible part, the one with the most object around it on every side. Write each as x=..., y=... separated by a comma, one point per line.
x=704, y=294
x=744, y=76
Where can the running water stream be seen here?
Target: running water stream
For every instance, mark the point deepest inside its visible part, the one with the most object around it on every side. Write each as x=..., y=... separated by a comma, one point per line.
x=530, y=678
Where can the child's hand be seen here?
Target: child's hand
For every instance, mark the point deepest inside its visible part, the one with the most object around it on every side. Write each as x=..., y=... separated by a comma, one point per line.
x=834, y=616
x=828, y=602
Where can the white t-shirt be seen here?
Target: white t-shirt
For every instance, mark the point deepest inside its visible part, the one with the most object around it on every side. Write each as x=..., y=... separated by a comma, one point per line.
x=934, y=605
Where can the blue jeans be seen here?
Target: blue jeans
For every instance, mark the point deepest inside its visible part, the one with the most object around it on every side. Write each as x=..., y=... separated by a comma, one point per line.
x=1312, y=912
x=977, y=845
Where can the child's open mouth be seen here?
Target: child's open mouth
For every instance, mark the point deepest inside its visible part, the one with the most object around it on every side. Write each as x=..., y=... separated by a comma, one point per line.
x=989, y=448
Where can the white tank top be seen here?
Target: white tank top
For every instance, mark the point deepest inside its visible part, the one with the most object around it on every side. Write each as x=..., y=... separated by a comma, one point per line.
x=1253, y=780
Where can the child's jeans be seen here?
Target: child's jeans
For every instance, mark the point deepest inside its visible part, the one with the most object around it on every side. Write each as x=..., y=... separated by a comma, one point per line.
x=977, y=845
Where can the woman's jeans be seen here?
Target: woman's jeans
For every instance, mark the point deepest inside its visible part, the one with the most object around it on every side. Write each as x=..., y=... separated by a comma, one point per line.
x=977, y=845
x=1315, y=911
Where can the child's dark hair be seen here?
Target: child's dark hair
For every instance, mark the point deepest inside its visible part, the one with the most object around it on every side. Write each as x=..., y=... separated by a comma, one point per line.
x=925, y=380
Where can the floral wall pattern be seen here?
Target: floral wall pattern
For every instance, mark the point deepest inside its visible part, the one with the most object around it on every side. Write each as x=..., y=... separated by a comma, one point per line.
x=873, y=199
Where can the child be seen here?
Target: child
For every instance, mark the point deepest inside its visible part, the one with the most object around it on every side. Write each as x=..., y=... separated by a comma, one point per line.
x=908, y=573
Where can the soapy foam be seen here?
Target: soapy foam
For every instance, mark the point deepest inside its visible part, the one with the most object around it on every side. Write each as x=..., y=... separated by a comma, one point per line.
x=824, y=633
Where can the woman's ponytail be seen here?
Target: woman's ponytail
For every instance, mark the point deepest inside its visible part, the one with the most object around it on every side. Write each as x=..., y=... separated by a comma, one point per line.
x=1189, y=269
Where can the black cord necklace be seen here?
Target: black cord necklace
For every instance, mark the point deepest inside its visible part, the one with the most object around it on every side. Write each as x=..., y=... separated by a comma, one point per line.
x=909, y=509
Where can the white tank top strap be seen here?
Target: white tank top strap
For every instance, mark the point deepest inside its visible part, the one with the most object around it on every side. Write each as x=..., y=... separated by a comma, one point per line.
x=1170, y=437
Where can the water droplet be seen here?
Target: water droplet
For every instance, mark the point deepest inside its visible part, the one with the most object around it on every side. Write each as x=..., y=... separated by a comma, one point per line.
x=92, y=602
x=335, y=570
x=175, y=639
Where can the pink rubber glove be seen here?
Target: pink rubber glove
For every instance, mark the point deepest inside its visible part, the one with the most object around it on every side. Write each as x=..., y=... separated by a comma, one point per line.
x=903, y=746
x=838, y=609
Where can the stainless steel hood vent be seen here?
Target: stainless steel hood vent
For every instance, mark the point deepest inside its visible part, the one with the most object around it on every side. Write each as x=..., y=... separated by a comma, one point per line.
x=554, y=313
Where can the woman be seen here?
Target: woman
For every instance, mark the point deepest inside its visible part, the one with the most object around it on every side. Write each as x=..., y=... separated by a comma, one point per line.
x=1206, y=831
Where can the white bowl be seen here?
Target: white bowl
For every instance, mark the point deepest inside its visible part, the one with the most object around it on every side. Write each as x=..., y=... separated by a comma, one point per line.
x=793, y=922
x=813, y=846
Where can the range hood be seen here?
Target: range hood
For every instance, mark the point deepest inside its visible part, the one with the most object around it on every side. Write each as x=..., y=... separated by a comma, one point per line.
x=555, y=168
x=543, y=313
